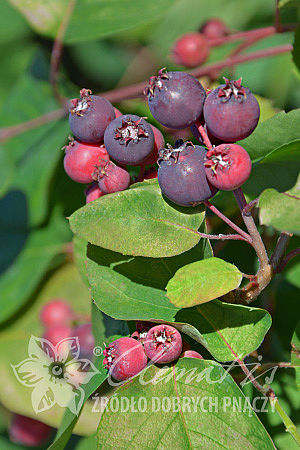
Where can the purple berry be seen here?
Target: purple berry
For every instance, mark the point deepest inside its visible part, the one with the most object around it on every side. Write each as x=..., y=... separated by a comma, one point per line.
x=56, y=312
x=163, y=344
x=181, y=175
x=89, y=117
x=93, y=192
x=112, y=178
x=231, y=112
x=30, y=432
x=81, y=160
x=175, y=98
x=124, y=358
x=86, y=340
x=129, y=139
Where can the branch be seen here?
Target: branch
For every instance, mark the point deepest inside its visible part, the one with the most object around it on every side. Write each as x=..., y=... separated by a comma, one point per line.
x=287, y=258
x=278, y=253
x=57, y=50
x=223, y=237
x=136, y=90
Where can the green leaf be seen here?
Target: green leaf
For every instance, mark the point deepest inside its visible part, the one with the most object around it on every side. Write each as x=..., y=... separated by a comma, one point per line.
x=6, y=170
x=225, y=330
x=295, y=353
x=25, y=257
x=90, y=19
x=281, y=211
x=35, y=153
x=174, y=424
x=80, y=258
x=138, y=222
x=296, y=47
x=274, y=133
x=278, y=170
x=65, y=283
x=202, y=281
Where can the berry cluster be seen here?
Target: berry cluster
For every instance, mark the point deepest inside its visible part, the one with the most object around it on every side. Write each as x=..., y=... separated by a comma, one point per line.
x=127, y=356
x=61, y=322
x=102, y=132
x=189, y=174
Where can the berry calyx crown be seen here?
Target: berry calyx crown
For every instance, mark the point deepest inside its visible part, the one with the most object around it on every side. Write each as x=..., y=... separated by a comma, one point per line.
x=156, y=82
x=165, y=154
x=162, y=338
x=80, y=105
x=218, y=159
x=234, y=88
x=130, y=130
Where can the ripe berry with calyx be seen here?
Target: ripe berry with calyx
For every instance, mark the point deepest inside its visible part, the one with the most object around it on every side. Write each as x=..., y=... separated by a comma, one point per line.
x=124, y=358
x=112, y=178
x=30, y=432
x=191, y=50
x=89, y=116
x=56, y=312
x=163, y=344
x=227, y=166
x=214, y=29
x=181, y=174
x=81, y=160
x=129, y=139
x=175, y=98
x=231, y=112
x=93, y=192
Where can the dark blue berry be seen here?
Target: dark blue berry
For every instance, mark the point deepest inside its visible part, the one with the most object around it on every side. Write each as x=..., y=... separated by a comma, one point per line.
x=231, y=112
x=181, y=175
x=89, y=117
x=129, y=139
x=175, y=98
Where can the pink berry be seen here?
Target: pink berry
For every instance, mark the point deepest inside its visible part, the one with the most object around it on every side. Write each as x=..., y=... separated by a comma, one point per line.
x=86, y=340
x=191, y=50
x=191, y=354
x=26, y=431
x=227, y=166
x=163, y=344
x=214, y=29
x=124, y=358
x=92, y=192
x=81, y=160
x=112, y=178
x=57, y=333
x=118, y=112
x=56, y=312
x=159, y=142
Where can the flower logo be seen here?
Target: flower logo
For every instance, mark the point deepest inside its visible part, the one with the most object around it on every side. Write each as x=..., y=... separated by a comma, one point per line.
x=55, y=373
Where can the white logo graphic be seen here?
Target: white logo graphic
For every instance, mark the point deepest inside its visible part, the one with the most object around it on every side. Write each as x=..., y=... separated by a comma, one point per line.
x=55, y=373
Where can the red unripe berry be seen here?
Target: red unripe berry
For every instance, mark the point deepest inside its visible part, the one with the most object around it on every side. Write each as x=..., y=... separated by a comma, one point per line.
x=191, y=50
x=30, y=432
x=117, y=112
x=86, y=340
x=56, y=312
x=159, y=142
x=214, y=29
x=81, y=160
x=227, y=166
x=163, y=344
x=92, y=192
x=124, y=358
x=112, y=178
x=57, y=333
x=191, y=354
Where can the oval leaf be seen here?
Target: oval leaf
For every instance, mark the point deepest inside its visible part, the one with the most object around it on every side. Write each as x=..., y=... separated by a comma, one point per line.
x=202, y=281
x=138, y=222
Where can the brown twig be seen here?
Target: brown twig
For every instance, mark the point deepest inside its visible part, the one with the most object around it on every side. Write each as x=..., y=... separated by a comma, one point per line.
x=286, y=259
x=278, y=253
x=136, y=90
x=56, y=53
